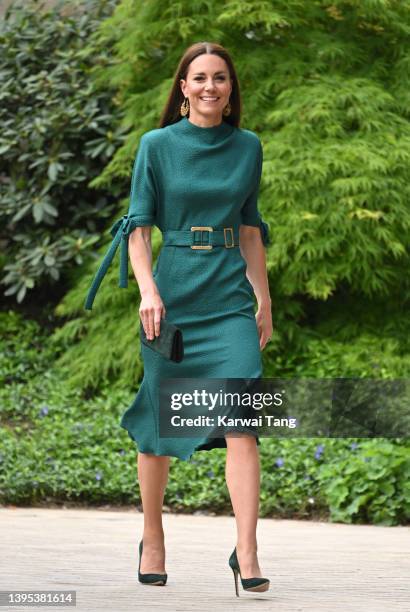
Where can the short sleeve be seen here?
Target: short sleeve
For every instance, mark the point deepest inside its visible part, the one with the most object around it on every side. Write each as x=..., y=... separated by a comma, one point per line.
x=249, y=213
x=143, y=194
x=142, y=211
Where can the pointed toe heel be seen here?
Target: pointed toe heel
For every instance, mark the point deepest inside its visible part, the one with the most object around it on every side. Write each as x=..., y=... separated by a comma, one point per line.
x=256, y=584
x=154, y=579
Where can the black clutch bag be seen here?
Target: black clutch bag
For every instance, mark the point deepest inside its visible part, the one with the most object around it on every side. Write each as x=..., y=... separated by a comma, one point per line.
x=169, y=343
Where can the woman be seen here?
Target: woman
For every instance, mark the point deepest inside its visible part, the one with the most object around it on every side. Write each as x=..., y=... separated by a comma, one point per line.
x=198, y=169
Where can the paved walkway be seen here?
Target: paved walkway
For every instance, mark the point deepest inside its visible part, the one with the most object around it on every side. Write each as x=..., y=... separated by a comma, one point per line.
x=312, y=566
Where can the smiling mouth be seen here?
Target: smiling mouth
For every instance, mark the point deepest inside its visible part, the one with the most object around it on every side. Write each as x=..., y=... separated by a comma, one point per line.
x=210, y=99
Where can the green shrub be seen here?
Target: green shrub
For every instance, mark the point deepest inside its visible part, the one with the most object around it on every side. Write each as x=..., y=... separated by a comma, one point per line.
x=59, y=444
x=369, y=486
x=68, y=448
x=57, y=134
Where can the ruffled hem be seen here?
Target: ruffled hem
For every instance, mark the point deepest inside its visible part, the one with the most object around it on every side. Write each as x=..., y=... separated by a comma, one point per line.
x=204, y=446
x=140, y=420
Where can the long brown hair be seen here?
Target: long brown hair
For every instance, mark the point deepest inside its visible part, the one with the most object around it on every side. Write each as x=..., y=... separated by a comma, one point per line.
x=171, y=112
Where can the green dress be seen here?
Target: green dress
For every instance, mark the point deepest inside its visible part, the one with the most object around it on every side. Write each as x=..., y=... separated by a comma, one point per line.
x=183, y=176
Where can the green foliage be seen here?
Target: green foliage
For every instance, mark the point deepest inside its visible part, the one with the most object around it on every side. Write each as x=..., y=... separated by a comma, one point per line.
x=372, y=486
x=343, y=336
x=58, y=132
x=23, y=354
x=59, y=444
x=339, y=180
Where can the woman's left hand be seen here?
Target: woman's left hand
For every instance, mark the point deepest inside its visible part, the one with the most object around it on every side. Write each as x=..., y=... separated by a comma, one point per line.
x=264, y=324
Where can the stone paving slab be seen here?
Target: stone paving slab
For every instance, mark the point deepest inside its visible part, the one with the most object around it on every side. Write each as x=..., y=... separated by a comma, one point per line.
x=313, y=566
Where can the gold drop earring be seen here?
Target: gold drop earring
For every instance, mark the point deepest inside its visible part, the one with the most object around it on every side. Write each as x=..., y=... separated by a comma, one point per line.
x=227, y=110
x=185, y=107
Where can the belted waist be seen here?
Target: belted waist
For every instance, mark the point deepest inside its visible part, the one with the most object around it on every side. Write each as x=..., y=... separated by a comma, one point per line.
x=203, y=237
x=198, y=237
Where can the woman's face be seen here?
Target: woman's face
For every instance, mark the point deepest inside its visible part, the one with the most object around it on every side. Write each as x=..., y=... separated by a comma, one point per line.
x=208, y=87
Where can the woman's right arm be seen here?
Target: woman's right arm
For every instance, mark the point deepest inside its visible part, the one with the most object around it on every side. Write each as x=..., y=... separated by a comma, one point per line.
x=152, y=308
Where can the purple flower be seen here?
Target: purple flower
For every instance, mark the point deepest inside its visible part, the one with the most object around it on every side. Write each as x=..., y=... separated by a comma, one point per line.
x=279, y=462
x=354, y=445
x=210, y=473
x=98, y=476
x=122, y=452
x=43, y=411
x=319, y=451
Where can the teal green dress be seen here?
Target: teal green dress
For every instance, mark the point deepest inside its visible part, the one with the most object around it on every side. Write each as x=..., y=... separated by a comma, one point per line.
x=183, y=176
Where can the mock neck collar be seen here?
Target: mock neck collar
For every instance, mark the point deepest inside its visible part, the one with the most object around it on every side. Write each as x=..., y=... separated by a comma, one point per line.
x=209, y=135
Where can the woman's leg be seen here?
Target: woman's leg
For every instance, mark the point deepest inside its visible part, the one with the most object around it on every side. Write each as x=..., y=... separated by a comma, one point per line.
x=242, y=472
x=153, y=477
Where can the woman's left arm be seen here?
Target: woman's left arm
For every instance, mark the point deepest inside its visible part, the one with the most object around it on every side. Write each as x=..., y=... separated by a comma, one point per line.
x=253, y=251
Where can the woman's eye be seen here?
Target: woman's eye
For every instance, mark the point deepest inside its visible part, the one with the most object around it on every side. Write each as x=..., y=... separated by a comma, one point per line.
x=220, y=78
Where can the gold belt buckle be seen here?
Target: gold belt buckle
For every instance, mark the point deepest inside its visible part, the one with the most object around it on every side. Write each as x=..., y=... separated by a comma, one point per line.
x=201, y=246
x=229, y=246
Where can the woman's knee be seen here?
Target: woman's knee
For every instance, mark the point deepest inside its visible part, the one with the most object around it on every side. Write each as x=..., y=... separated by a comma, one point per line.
x=242, y=440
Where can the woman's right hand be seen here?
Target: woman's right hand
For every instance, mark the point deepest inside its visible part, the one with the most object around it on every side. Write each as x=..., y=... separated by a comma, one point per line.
x=151, y=311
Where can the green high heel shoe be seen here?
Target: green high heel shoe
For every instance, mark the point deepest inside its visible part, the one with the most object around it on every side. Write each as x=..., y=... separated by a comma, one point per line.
x=156, y=579
x=248, y=584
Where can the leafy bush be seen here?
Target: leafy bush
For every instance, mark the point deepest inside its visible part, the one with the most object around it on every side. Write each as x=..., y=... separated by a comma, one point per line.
x=61, y=445
x=58, y=132
x=68, y=448
x=24, y=354
x=370, y=486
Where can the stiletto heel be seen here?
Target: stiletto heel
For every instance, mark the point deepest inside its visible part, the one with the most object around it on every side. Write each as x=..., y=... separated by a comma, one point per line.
x=248, y=584
x=155, y=579
x=235, y=575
